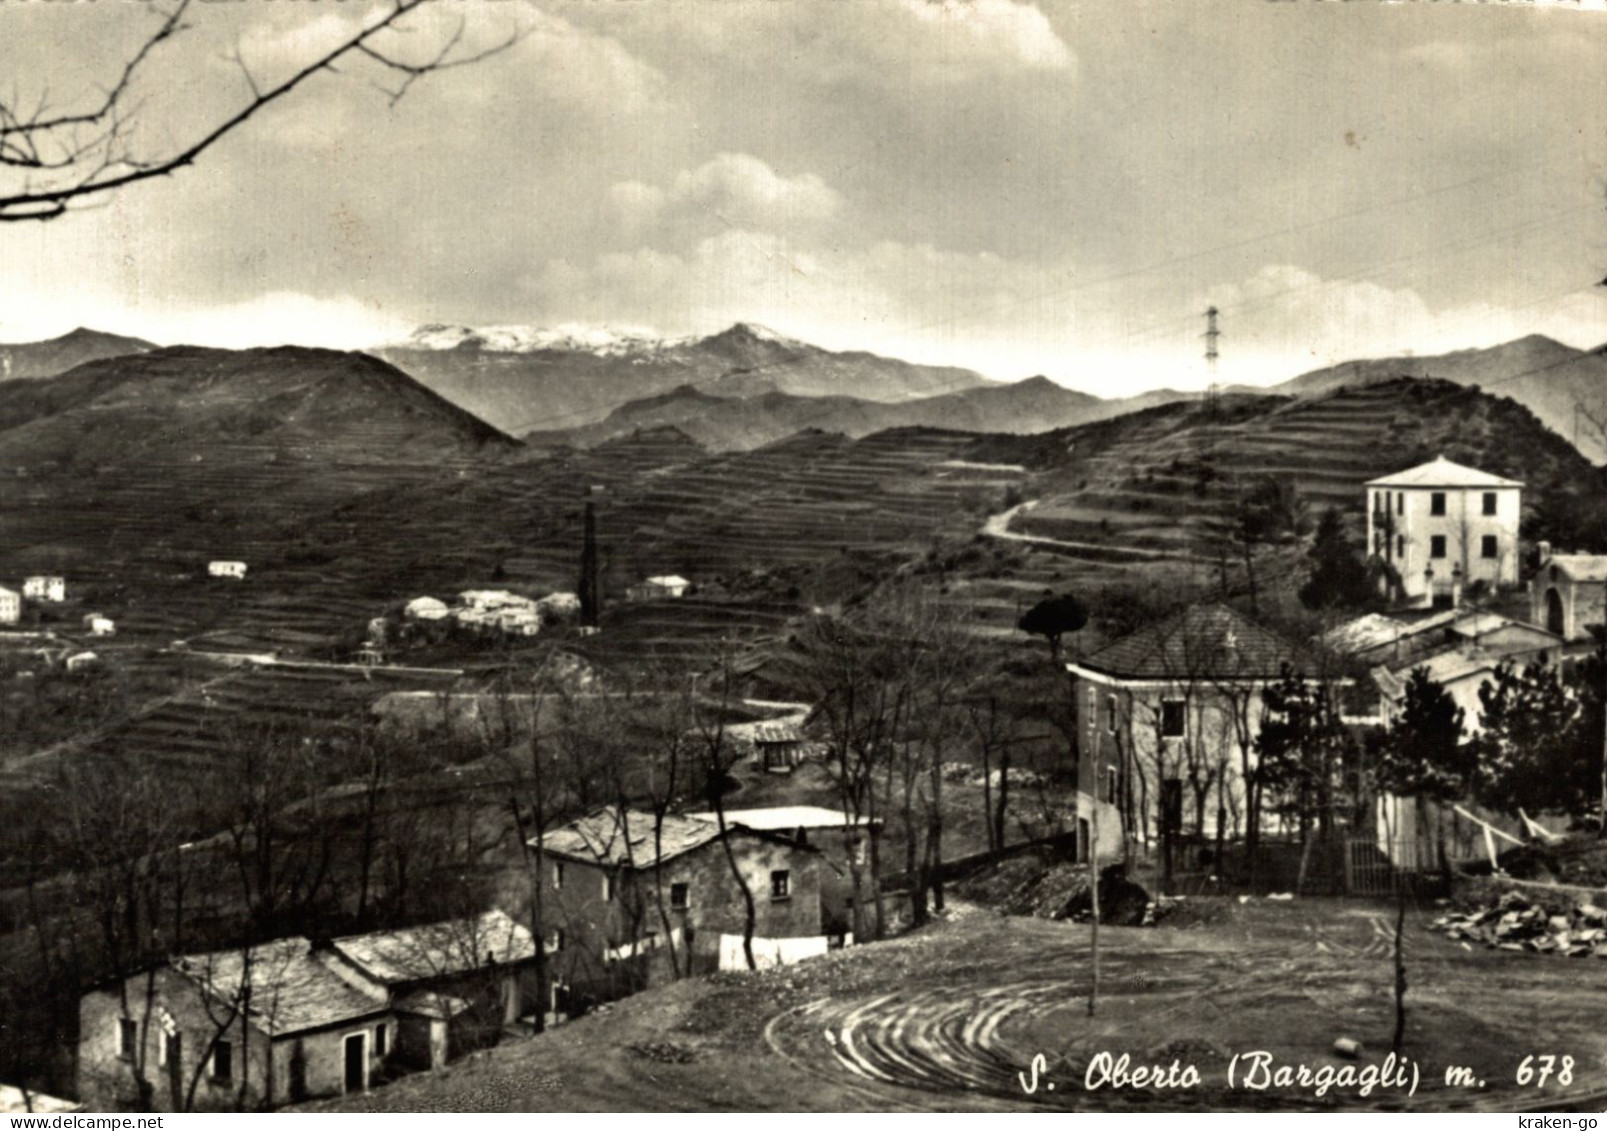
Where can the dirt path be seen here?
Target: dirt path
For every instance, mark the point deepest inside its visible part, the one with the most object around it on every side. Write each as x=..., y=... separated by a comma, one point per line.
x=951, y=1017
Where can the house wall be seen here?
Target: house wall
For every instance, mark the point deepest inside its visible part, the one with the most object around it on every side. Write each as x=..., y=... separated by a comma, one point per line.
x=1133, y=754
x=323, y=1056
x=1463, y=525
x=106, y=1081
x=592, y=925
x=10, y=608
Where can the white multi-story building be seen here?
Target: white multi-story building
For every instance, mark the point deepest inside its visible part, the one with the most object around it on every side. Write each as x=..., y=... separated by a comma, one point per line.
x=1441, y=526
x=41, y=587
x=10, y=606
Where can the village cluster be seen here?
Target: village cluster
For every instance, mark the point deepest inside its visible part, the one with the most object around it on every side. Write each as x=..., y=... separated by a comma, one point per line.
x=626, y=896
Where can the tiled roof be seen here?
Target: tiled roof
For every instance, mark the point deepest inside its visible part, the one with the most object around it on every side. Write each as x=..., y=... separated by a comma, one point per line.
x=436, y=949
x=292, y=987
x=1203, y=642
x=1579, y=567
x=626, y=836
x=1441, y=472
x=777, y=732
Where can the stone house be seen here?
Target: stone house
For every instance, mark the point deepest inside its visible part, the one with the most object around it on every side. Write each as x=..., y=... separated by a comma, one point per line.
x=622, y=896
x=1441, y=526
x=654, y=588
x=1568, y=593
x=1170, y=715
x=10, y=606
x=291, y=1019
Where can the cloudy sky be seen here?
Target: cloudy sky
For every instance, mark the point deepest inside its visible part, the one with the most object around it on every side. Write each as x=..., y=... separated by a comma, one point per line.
x=1059, y=188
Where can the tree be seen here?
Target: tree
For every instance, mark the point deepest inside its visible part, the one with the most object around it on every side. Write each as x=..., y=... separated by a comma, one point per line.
x=1052, y=618
x=1267, y=512
x=52, y=158
x=1338, y=575
x=1540, y=747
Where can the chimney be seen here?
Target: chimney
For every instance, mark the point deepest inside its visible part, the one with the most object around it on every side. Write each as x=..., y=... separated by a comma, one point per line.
x=1543, y=549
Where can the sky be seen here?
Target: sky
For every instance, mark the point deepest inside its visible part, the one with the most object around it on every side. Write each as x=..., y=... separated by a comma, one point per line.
x=1058, y=188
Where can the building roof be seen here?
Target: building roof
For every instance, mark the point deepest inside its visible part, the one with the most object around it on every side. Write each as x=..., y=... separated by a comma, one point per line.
x=1441, y=472
x=4, y=592
x=1445, y=669
x=626, y=836
x=667, y=581
x=292, y=987
x=1579, y=567
x=1202, y=642
x=783, y=731
x=1479, y=623
x=435, y=950
x=785, y=818
x=1365, y=633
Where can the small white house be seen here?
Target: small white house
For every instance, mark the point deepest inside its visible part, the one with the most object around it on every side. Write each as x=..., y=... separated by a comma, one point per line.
x=427, y=608
x=97, y=625
x=488, y=599
x=667, y=585
x=519, y=621
x=81, y=660
x=10, y=606
x=1568, y=593
x=43, y=587
x=235, y=570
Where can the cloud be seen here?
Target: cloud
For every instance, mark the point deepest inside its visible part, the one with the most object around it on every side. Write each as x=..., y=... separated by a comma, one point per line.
x=889, y=44
x=733, y=190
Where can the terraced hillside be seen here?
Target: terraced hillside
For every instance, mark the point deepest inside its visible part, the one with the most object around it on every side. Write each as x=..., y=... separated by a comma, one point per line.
x=1160, y=486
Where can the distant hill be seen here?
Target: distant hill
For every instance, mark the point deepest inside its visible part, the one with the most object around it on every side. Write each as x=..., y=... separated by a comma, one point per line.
x=186, y=402
x=46, y=359
x=524, y=380
x=740, y=423
x=1545, y=375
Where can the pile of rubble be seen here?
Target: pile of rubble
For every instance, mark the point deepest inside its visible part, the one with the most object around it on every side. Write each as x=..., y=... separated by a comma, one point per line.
x=1029, y=886
x=1516, y=923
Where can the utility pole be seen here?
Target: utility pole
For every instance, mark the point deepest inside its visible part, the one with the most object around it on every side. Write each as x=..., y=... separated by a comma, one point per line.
x=1213, y=391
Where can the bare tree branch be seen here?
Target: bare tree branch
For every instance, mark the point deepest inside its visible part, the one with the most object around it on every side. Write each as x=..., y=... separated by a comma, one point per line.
x=37, y=141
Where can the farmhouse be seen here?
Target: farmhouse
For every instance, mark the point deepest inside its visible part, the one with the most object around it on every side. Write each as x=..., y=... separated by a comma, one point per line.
x=486, y=600
x=1568, y=593
x=10, y=606
x=97, y=625
x=427, y=608
x=42, y=587
x=1178, y=702
x=292, y=1019
x=234, y=570
x=654, y=588
x=1440, y=526
x=622, y=895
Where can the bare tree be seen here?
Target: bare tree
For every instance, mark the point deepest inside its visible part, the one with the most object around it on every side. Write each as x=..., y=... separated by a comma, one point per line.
x=54, y=157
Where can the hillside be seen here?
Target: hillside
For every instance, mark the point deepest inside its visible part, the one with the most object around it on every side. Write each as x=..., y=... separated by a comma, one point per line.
x=523, y=382
x=1546, y=376
x=740, y=423
x=185, y=402
x=48, y=358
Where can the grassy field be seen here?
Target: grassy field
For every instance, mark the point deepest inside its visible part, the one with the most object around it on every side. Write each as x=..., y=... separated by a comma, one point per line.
x=948, y=1017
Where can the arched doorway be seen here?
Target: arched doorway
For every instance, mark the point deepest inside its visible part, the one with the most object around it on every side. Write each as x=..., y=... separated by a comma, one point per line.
x=1554, y=612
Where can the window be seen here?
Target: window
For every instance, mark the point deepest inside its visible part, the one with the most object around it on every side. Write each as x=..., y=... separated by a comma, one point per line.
x=1174, y=719
x=680, y=896
x=1400, y=502
x=1489, y=502
x=1400, y=545
x=223, y=1062
x=557, y=875
x=555, y=941
x=1436, y=546
x=1436, y=503
x=127, y=1037
x=1110, y=714
x=781, y=885
x=380, y=1036
x=169, y=1052
x=608, y=887
x=1488, y=547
